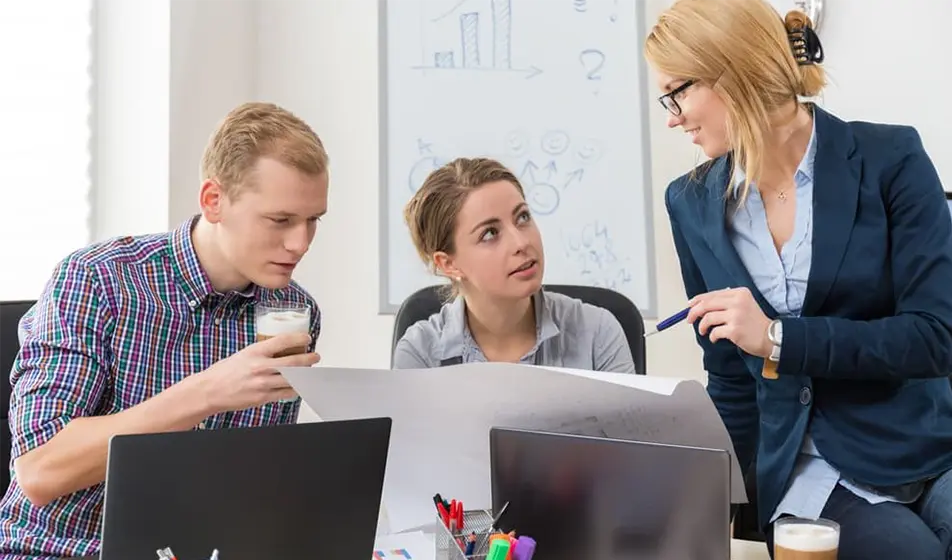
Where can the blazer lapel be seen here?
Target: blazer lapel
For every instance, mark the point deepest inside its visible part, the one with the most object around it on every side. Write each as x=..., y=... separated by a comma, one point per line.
x=714, y=220
x=836, y=180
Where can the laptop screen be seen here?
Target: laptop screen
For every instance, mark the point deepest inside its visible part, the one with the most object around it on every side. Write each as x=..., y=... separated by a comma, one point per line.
x=309, y=490
x=600, y=499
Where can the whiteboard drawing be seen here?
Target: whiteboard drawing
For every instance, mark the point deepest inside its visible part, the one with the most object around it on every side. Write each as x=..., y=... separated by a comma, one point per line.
x=591, y=248
x=464, y=78
x=543, y=183
x=446, y=47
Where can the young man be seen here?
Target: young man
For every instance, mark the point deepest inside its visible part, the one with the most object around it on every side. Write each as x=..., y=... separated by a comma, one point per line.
x=156, y=333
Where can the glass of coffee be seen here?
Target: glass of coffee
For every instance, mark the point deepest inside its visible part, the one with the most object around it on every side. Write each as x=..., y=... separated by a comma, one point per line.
x=805, y=539
x=280, y=317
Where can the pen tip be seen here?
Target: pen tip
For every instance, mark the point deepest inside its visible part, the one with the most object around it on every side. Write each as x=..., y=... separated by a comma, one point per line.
x=649, y=333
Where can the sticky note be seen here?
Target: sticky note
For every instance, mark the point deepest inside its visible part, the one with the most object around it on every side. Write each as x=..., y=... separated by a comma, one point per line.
x=498, y=549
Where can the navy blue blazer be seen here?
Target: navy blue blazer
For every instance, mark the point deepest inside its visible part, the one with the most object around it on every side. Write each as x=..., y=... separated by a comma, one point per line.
x=868, y=362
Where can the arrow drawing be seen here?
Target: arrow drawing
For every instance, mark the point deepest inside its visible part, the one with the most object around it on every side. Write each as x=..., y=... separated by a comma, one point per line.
x=529, y=169
x=445, y=60
x=573, y=176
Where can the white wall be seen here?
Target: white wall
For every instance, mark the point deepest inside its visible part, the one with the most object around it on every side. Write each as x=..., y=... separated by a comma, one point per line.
x=131, y=85
x=166, y=72
x=319, y=59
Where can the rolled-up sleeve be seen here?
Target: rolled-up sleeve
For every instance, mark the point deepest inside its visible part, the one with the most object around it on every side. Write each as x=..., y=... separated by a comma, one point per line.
x=62, y=369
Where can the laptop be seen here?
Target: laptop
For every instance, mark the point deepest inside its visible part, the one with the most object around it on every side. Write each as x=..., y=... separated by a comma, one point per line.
x=295, y=491
x=608, y=499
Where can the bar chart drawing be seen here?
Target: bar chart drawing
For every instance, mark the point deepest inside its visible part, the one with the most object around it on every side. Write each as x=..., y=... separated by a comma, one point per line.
x=502, y=33
x=469, y=33
x=471, y=25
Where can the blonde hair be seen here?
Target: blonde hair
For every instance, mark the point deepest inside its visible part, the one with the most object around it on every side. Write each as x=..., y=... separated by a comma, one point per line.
x=432, y=212
x=252, y=131
x=741, y=49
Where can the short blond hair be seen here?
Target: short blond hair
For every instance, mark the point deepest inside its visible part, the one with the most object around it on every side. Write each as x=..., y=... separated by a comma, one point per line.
x=741, y=49
x=255, y=130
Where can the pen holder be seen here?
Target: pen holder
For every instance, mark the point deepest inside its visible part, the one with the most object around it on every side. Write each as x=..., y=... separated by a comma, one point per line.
x=452, y=545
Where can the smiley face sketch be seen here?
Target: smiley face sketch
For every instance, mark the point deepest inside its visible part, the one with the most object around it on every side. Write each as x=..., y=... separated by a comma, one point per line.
x=517, y=143
x=555, y=142
x=543, y=199
x=589, y=151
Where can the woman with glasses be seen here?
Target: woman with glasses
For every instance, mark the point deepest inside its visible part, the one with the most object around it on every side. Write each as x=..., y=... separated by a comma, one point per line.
x=817, y=254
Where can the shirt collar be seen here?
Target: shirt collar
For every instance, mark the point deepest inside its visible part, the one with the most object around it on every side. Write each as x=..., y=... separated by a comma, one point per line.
x=804, y=170
x=190, y=275
x=455, y=329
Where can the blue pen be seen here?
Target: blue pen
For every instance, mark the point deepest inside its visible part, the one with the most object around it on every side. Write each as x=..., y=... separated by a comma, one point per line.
x=669, y=322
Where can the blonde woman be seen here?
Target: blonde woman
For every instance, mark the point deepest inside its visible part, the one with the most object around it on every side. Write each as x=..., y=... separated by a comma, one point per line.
x=470, y=222
x=817, y=254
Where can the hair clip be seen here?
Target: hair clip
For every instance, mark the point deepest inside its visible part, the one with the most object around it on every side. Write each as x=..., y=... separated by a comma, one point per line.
x=805, y=45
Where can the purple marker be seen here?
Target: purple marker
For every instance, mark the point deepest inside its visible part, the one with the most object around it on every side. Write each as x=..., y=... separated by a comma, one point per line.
x=525, y=548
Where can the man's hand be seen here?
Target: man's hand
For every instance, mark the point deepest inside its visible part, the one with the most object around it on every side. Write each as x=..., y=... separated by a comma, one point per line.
x=250, y=377
x=75, y=458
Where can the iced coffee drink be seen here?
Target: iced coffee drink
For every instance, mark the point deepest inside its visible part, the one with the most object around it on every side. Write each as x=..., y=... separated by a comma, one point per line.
x=276, y=318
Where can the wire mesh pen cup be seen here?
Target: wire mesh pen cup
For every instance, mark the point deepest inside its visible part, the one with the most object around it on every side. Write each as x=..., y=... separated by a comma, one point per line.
x=452, y=545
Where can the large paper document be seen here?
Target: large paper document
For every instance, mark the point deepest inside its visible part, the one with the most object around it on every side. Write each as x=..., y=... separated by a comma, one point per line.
x=442, y=417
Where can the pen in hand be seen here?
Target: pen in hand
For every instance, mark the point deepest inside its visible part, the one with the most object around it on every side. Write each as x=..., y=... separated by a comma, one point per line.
x=672, y=320
x=669, y=322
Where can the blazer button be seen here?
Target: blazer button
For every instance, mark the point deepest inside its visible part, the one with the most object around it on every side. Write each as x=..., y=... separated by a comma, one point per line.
x=806, y=395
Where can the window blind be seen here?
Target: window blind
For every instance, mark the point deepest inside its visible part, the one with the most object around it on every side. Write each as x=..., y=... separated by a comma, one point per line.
x=45, y=139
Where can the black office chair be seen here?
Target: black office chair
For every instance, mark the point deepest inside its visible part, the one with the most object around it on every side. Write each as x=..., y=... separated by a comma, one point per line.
x=427, y=301
x=10, y=314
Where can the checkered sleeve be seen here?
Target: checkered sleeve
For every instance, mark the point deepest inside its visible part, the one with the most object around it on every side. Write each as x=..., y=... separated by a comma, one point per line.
x=315, y=324
x=61, y=371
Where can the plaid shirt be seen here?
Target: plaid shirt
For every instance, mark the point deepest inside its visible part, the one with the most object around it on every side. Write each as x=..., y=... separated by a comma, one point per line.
x=119, y=322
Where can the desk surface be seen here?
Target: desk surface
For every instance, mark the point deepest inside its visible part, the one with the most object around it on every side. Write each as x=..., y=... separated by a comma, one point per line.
x=740, y=550
x=748, y=550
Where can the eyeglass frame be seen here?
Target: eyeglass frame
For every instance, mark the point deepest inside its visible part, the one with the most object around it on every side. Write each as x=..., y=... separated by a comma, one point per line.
x=675, y=108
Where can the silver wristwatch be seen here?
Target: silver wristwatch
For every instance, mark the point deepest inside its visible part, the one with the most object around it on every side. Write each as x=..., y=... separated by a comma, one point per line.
x=775, y=335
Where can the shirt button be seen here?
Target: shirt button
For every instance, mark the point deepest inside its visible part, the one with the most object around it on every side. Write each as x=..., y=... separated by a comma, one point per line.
x=806, y=395
x=192, y=303
x=218, y=321
x=201, y=426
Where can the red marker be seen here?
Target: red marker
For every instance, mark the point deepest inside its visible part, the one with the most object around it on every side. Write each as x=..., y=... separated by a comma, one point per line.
x=444, y=515
x=459, y=507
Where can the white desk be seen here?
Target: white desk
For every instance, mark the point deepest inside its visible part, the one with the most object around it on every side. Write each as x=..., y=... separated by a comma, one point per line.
x=740, y=550
x=748, y=550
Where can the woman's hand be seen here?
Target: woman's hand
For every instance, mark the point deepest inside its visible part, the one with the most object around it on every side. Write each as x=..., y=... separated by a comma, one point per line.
x=732, y=314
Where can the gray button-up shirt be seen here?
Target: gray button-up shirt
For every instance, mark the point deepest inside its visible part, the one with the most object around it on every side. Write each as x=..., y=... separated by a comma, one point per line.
x=570, y=333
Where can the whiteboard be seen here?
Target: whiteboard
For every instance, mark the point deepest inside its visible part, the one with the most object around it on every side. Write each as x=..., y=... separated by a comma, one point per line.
x=555, y=89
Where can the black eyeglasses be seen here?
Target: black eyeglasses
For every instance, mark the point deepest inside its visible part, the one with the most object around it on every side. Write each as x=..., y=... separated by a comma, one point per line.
x=668, y=100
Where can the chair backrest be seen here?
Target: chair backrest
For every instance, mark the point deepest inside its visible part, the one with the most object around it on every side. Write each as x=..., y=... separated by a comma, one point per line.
x=427, y=301
x=10, y=314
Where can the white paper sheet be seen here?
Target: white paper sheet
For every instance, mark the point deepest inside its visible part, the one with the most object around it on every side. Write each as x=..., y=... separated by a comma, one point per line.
x=414, y=545
x=442, y=417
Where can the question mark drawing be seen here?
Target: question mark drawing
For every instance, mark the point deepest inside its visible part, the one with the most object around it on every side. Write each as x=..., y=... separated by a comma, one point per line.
x=592, y=60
